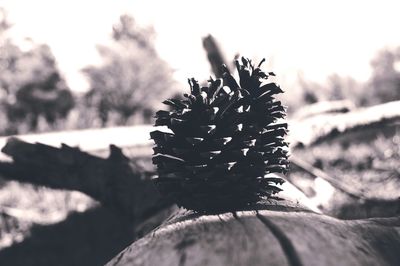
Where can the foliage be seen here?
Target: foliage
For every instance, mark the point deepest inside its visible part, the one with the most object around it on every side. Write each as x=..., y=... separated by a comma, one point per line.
x=335, y=88
x=384, y=83
x=132, y=79
x=31, y=86
x=382, y=86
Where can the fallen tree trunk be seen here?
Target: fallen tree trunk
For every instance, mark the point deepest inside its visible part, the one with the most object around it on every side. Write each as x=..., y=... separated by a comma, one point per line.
x=291, y=236
x=319, y=128
x=115, y=181
x=95, y=141
x=324, y=107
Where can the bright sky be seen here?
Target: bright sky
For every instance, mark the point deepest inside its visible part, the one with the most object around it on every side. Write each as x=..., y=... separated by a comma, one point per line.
x=317, y=38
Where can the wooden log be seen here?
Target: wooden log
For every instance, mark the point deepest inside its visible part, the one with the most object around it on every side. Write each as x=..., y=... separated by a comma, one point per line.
x=95, y=141
x=324, y=107
x=115, y=181
x=345, y=199
x=266, y=237
x=319, y=128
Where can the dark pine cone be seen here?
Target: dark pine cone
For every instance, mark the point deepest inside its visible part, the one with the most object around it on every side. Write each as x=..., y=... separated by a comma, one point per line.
x=225, y=140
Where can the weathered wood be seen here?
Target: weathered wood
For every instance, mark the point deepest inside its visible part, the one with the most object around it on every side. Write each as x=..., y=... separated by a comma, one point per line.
x=343, y=187
x=348, y=201
x=266, y=237
x=94, y=141
x=326, y=126
x=115, y=181
x=324, y=107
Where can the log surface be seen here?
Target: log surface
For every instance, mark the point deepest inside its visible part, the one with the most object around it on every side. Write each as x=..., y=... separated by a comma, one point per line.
x=265, y=237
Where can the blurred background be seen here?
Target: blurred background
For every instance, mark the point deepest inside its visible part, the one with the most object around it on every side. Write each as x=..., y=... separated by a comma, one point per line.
x=73, y=65
x=101, y=57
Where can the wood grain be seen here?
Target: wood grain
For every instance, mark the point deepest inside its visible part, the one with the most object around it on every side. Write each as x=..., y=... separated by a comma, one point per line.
x=266, y=237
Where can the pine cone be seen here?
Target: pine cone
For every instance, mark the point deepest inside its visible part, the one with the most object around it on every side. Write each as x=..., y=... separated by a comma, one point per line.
x=226, y=138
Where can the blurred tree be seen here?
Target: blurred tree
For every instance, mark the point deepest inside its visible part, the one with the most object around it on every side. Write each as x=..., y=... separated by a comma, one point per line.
x=31, y=85
x=345, y=87
x=384, y=84
x=132, y=80
x=128, y=30
x=40, y=90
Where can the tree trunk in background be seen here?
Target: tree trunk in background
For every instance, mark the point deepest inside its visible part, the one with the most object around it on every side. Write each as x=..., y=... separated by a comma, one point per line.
x=214, y=55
